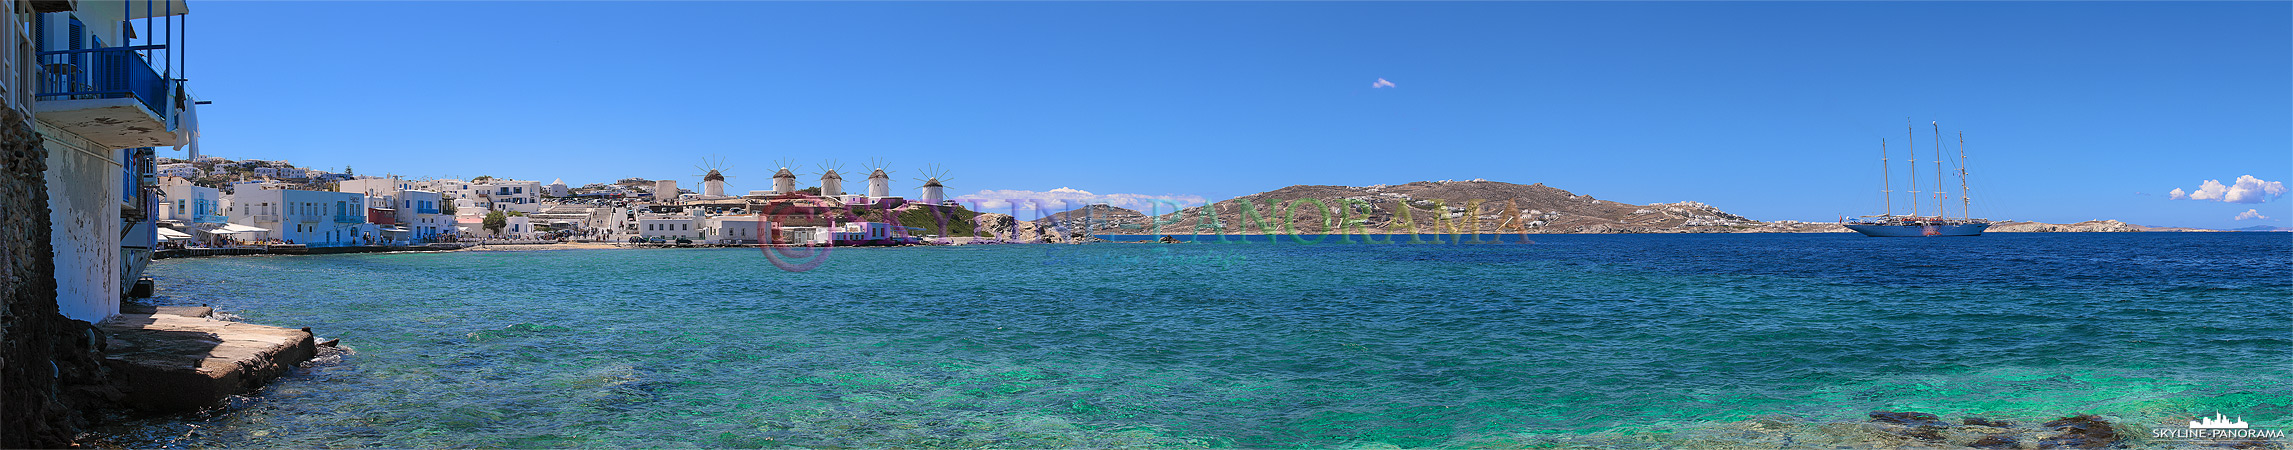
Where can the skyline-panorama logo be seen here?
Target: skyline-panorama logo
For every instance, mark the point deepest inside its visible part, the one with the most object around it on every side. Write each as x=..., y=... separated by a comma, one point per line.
x=2218, y=421
x=2217, y=429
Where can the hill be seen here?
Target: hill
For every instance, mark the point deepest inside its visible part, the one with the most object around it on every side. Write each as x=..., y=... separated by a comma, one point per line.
x=1476, y=206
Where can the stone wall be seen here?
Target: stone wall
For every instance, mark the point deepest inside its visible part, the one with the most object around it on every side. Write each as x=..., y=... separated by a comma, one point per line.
x=50, y=366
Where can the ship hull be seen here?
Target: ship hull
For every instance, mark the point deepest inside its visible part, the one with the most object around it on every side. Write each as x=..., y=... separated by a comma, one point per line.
x=1909, y=230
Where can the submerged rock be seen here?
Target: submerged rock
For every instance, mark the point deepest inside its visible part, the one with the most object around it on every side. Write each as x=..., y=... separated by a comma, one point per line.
x=1906, y=418
x=1982, y=422
x=1915, y=425
x=1996, y=441
x=2081, y=431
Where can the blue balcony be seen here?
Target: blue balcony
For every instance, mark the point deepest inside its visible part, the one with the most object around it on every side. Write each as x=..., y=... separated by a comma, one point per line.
x=108, y=95
x=349, y=219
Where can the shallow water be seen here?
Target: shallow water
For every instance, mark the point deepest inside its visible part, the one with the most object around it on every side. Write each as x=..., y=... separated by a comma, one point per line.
x=1612, y=340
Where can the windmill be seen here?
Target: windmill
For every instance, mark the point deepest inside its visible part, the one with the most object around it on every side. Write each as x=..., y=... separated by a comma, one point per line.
x=934, y=192
x=831, y=183
x=713, y=182
x=879, y=180
x=784, y=181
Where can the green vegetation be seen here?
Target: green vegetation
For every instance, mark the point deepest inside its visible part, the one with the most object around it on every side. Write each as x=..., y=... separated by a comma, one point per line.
x=959, y=221
x=494, y=221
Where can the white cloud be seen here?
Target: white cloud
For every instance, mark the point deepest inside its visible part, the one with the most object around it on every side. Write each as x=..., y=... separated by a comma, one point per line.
x=1064, y=198
x=1381, y=83
x=2246, y=189
x=2251, y=214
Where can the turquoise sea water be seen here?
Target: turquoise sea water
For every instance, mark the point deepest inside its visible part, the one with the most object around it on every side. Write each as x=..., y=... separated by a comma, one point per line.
x=1603, y=340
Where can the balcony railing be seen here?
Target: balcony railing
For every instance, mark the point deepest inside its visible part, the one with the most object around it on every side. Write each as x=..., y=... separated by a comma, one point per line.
x=103, y=73
x=349, y=219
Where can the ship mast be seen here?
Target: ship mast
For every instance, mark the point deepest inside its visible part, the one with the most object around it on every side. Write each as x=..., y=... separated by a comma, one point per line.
x=1886, y=180
x=1966, y=207
x=1907, y=136
x=1939, y=194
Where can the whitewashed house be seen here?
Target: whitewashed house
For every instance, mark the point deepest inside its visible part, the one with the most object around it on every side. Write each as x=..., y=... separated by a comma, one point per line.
x=671, y=227
x=311, y=218
x=184, y=170
x=738, y=229
x=185, y=203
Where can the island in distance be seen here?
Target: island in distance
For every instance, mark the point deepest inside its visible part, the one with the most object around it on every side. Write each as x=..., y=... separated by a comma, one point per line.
x=1439, y=206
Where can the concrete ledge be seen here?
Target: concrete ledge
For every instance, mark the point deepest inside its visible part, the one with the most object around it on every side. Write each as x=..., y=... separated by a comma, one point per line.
x=166, y=362
x=185, y=311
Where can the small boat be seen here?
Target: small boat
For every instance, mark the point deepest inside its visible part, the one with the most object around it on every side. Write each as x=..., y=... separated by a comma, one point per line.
x=1914, y=224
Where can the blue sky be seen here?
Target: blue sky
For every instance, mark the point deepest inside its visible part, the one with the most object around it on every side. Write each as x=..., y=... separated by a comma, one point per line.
x=2072, y=111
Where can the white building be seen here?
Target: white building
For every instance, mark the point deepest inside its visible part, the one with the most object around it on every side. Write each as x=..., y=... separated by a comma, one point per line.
x=185, y=203
x=513, y=227
x=509, y=195
x=671, y=227
x=184, y=170
x=557, y=188
x=311, y=218
x=738, y=229
x=380, y=192
x=420, y=216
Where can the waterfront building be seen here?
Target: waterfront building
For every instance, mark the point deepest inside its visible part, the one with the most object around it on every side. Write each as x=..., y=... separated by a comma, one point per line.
x=871, y=233
x=311, y=218
x=102, y=101
x=189, y=205
x=419, y=217
x=671, y=226
x=738, y=229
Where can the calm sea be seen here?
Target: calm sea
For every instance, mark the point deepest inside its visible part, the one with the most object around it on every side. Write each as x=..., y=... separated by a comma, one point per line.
x=1603, y=340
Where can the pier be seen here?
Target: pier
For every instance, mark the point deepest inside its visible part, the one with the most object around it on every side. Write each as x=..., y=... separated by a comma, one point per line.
x=177, y=359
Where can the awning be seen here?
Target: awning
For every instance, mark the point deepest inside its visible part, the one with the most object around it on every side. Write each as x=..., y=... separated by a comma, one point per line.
x=394, y=229
x=237, y=228
x=173, y=235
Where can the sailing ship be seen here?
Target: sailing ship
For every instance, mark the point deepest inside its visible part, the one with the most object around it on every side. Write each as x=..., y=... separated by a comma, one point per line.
x=1915, y=224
